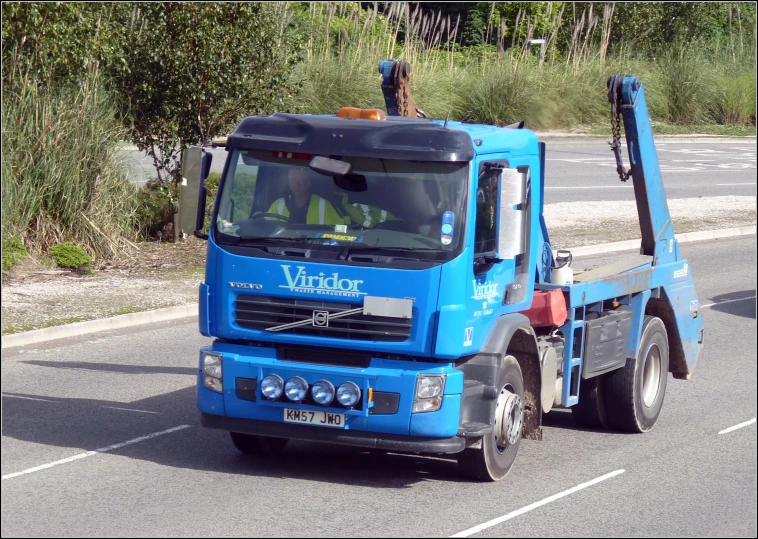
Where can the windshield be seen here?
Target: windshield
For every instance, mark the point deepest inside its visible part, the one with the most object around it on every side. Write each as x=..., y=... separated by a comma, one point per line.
x=401, y=205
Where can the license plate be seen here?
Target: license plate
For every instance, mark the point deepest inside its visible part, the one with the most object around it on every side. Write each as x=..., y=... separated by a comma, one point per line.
x=323, y=419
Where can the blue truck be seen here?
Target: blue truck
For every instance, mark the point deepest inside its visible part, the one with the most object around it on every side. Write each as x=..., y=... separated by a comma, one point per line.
x=388, y=282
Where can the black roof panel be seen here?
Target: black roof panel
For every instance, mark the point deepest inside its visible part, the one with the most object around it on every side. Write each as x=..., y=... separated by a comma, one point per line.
x=393, y=138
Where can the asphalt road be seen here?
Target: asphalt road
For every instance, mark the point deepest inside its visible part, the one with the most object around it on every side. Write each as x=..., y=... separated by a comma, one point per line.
x=578, y=170
x=68, y=397
x=585, y=169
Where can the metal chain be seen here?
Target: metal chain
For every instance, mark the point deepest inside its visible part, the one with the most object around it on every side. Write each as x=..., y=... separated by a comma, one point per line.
x=400, y=75
x=616, y=128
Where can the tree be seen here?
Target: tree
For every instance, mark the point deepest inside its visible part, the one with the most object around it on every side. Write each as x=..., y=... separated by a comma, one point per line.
x=193, y=70
x=60, y=40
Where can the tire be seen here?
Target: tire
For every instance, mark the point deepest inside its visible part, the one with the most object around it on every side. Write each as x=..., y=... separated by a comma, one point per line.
x=591, y=410
x=261, y=446
x=490, y=462
x=634, y=394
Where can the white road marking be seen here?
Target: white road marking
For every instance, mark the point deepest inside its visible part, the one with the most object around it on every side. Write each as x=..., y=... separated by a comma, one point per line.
x=131, y=410
x=26, y=398
x=725, y=301
x=95, y=452
x=745, y=424
x=753, y=183
x=590, y=187
x=499, y=520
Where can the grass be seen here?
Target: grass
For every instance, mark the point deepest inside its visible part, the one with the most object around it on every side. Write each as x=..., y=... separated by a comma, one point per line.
x=62, y=179
x=71, y=320
x=689, y=86
x=51, y=323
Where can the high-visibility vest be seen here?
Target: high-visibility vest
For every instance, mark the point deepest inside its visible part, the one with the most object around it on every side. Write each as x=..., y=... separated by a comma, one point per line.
x=363, y=214
x=320, y=211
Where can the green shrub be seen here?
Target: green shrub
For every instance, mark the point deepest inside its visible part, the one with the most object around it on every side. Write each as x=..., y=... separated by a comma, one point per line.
x=156, y=205
x=13, y=252
x=68, y=255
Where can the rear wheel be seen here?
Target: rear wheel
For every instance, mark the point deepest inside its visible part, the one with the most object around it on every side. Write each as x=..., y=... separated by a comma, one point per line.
x=590, y=412
x=493, y=460
x=634, y=394
x=251, y=444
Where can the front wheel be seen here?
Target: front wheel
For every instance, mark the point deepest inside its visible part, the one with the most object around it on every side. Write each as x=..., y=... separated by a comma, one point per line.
x=251, y=444
x=494, y=458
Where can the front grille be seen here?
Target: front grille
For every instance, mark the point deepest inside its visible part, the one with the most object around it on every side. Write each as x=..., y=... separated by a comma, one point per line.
x=324, y=356
x=260, y=312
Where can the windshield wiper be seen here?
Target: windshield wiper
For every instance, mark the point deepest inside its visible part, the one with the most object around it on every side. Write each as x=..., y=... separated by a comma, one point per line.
x=351, y=249
x=264, y=239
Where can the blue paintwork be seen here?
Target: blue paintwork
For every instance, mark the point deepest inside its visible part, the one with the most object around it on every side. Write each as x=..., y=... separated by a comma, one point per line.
x=454, y=311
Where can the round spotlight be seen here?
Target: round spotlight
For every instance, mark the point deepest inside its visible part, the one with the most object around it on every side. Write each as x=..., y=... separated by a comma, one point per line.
x=272, y=386
x=323, y=392
x=348, y=394
x=296, y=389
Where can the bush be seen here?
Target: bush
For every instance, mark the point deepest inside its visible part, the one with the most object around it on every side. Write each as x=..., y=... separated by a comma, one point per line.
x=156, y=205
x=193, y=70
x=13, y=252
x=68, y=255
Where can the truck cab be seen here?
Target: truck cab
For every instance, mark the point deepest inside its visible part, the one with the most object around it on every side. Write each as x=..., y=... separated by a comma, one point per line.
x=385, y=282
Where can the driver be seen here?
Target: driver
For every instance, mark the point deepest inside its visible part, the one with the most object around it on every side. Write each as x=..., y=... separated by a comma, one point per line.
x=301, y=206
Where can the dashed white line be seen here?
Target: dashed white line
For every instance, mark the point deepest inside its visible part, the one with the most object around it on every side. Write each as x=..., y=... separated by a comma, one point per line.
x=95, y=452
x=751, y=183
x=131, y=410
x=591, y=187
x=741, y=425
x=500, y=520
x=725, y=301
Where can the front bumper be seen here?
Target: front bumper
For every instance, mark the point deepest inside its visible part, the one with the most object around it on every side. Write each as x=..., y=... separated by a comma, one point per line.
x=388, y=442
x=379, y=423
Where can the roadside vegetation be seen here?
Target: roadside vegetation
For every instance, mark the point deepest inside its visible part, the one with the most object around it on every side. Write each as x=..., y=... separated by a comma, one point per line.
x=80, y=77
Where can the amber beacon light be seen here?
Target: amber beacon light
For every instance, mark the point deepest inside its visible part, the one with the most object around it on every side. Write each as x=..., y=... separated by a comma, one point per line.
x=365, y=114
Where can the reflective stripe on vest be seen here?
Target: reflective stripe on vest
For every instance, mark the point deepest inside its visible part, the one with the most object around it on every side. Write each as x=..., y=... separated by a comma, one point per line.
x=322, y=211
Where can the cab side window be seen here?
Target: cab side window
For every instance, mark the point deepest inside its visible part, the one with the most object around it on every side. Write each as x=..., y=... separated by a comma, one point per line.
x=485, y=237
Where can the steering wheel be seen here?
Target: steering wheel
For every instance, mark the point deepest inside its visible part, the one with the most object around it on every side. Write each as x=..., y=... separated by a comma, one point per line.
x=260, y=215
x=396, y=224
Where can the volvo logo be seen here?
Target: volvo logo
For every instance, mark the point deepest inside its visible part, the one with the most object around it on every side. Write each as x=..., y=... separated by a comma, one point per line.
x=249, y=286
x=321, y=319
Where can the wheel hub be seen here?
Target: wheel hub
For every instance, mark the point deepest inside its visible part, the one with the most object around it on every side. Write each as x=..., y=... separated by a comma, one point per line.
x=508, y=419
x=651, y=375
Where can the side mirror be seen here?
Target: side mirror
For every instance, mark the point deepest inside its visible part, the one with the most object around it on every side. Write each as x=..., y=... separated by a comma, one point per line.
x=512, y=215
x=196, y=165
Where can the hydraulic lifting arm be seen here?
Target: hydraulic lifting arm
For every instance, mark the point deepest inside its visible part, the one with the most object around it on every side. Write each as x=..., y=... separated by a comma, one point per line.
x=627, y=98
x=396, y=87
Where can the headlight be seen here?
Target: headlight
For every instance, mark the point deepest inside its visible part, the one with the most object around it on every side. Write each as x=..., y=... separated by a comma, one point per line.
x=214, y=384
x=272, y=386
x=348, y=394
x=429, y=387
x=429, y=390
x=323, y=392
x=212, y=364
x=296, y=389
